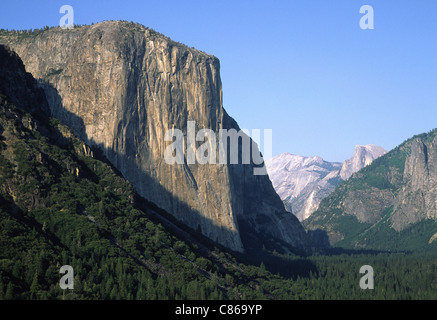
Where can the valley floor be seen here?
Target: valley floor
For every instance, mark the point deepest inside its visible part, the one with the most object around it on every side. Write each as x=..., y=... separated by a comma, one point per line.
x=396, y=276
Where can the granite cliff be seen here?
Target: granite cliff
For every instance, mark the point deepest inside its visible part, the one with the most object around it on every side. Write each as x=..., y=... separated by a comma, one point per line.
x=120, y=87
x=363, y=156
x=20, y=87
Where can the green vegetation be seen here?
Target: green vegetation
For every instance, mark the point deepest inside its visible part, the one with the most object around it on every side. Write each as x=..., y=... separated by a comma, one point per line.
x=381, y=236
x=372, y=187
x=22, y=34
x=12, y=36
x=384, y=173
x=336, y=276
x=61, y=207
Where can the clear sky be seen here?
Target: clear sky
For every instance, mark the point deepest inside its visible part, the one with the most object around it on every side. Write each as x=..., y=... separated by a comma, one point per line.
x=303, y=68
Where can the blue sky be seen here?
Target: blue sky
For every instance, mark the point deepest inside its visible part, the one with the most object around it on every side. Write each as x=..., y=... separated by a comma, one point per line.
x=304, y=69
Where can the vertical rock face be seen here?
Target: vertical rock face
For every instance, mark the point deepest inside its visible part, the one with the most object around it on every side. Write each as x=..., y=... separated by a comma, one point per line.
x=363, y=156
x=20, y=87
x=120, y=87
x=417, y=199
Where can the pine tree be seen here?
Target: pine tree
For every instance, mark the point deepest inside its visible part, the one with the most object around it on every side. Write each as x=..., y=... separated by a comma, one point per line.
x=34, y=287
x=2, y=290
x=140, y=293
x=114, y=293
x=9, y=295
x=108, y=286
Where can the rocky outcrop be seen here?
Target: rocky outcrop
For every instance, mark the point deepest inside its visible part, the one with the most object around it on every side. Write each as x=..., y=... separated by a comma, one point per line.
x=417, y=197
x=121, y=86
x=302, y=182
x=363, y=156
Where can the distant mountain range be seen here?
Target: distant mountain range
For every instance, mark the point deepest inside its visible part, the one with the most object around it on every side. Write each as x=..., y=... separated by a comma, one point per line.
x=390, y=204
x=302, y=182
